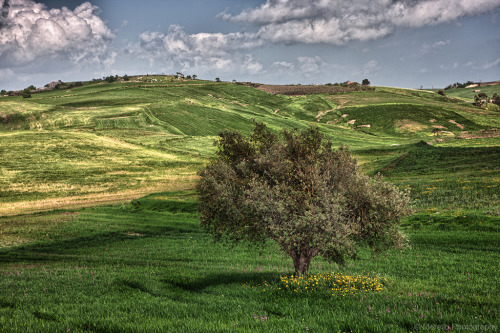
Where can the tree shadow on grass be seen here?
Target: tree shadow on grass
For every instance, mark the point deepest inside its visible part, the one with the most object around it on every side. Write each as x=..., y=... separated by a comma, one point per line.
x=199, y=285
x=85, y=247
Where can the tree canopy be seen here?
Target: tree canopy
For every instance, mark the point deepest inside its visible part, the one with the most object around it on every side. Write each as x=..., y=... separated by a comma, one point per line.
x=297, y=190
x=26, y=93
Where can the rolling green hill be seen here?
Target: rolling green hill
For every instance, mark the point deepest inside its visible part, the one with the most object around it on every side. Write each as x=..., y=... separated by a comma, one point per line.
x=111, y=142
x=469, y=93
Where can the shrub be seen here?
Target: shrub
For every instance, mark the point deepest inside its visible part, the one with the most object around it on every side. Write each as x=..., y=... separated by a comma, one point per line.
x=26, y=93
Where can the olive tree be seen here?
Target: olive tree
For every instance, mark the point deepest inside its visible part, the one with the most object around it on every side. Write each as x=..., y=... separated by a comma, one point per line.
x=297, y=190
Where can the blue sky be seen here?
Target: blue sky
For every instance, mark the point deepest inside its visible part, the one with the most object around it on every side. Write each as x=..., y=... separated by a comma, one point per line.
x=405, y=43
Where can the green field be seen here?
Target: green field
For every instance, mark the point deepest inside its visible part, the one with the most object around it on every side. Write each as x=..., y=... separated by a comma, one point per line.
x=99, y=227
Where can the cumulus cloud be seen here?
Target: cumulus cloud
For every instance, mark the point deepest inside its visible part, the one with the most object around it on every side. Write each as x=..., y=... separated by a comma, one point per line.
x=29, y=31
x=218, y=51
x=338, y=21
x=251, y=66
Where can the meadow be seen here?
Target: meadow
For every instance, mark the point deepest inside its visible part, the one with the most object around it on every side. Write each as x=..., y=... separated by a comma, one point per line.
x=99, y=227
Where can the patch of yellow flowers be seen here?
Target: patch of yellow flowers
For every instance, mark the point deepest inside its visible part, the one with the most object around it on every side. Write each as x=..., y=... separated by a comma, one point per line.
x=334, y=283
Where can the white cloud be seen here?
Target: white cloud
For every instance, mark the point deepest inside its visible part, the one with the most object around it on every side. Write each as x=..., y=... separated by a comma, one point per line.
x=301, y=67
x=426, y=48
x=453, y=66
x=310, y=65
x=283, y=65
x=251, y=66
x=201, y=51
x=490, y=65
x=370, y=67
x=338, y=21
x=29, y=31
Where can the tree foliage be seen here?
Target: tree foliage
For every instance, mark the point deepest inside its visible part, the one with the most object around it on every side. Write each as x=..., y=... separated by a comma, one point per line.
x=111, y=78
x=459, y=85
x=365, y=82
x=297, y=190
x=495, y=99
x=26, y=93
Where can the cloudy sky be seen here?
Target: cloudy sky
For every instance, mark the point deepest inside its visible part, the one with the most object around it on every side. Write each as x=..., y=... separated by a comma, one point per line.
x=405, y=43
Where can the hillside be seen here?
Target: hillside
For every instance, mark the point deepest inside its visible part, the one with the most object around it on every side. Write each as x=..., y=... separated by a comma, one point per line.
x=110, y=142
x=469, y=93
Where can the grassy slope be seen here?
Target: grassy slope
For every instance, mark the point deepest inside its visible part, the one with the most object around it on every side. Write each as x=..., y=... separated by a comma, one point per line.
x=468, y=93
x=110, y=142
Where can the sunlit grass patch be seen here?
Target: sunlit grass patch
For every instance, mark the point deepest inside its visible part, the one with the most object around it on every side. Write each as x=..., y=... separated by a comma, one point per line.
x=336, y=284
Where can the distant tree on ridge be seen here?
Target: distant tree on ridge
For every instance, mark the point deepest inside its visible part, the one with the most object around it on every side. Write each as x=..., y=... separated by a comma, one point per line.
x=26, y=93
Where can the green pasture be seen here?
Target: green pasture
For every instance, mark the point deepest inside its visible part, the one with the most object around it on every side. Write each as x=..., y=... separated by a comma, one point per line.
x=146, y=266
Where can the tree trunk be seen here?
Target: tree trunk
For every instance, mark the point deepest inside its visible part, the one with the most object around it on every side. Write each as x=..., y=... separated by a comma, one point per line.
x=302, y=259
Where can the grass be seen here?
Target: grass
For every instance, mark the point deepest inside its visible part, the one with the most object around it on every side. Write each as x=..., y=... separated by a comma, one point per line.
x=147, y=266
x=449, y=177
x=99, y=227
x=64, y=165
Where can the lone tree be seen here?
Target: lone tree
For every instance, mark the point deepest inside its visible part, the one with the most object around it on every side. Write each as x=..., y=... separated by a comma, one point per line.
x=299, y=191
x=365, y=82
